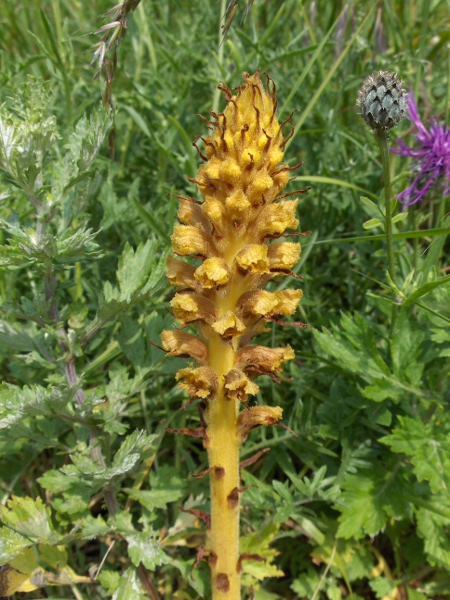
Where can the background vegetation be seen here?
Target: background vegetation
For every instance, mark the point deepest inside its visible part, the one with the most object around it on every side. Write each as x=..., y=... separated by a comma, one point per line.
x=353, y=500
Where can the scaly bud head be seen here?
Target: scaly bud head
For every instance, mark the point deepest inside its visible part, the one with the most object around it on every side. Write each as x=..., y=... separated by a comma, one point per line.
x=382, y=100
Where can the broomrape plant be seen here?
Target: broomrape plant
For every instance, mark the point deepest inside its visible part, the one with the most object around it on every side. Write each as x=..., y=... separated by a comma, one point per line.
x=229, y=234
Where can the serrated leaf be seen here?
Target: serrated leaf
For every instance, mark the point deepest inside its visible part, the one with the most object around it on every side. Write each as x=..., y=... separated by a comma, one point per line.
x=142, y=548
x=93, y=527
x=129, y=587
x=198, y=578
x=369, y=499
x=109, y=580
x=29, y=518
x=428, y=449
x=12, y=339
x=17, y=403
x=11, y=544
x=259, y=543
x=133, y=445
x=135, y=266
x=139, y=274
x=432, y=527
x=353, y=345
x=167, y=486
x=73, y=246
x=382, y=586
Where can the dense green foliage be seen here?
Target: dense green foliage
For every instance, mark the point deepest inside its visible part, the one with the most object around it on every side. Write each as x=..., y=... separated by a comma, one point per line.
x=352, y=500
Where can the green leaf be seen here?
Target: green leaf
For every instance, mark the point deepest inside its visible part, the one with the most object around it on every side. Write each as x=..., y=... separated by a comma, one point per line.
x=109, y=580
x=372, y=208
x=425, y=289
x=382, y=586
x=13, y=339
x=17, y=403
x=29, y=518
x=400, y=217
x=369, y=499
x=129, y=587
x=139, y=274
x=129, y=454
x=136, y=443
x=258, y=543
x=144, y=549
x=372, y=223
x=433, y=527
x=167, y=486
x=283, y=490
x=76, y=491
x=198, y=579
x=93, y=527
x=11, y=544
x=428, y=448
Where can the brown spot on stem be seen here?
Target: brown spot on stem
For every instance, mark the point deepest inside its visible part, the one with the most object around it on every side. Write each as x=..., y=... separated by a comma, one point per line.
x=219, y=472
x=222, y=582
x=212, y=559
x=233, y=498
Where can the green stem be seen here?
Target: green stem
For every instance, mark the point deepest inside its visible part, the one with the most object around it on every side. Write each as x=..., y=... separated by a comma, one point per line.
x=383, y=138
x=384, y=147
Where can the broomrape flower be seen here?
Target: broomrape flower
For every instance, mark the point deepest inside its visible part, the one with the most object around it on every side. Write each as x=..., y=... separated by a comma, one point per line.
x=431, y=157
x=230, y=238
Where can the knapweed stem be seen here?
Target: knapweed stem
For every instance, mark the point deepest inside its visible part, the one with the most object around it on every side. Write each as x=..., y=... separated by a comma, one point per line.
x=383, y=138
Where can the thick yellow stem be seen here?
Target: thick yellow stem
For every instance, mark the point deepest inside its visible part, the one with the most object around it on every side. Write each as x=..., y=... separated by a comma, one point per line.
x=223, y=454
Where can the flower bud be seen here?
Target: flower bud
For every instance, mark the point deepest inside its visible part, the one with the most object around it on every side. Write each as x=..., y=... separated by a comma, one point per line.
x=382, y=100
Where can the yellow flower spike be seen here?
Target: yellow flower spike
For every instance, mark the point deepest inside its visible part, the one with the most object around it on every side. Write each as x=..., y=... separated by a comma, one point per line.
x=199, y=383
x=179, y=343
x=181, y=274
x=260, y=359
x=230, y=238
x=255, y=417
x=213, y=272
x=253, y=258
x=193, y=307
x=283, y=256
x=237, y=385
x=187, y=239
x=229, y=325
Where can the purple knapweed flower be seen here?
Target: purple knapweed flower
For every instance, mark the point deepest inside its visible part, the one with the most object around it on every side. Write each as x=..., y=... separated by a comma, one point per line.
x=431, y=157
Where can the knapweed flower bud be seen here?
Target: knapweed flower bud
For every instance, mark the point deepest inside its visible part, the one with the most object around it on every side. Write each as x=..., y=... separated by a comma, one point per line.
x=382, y=100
